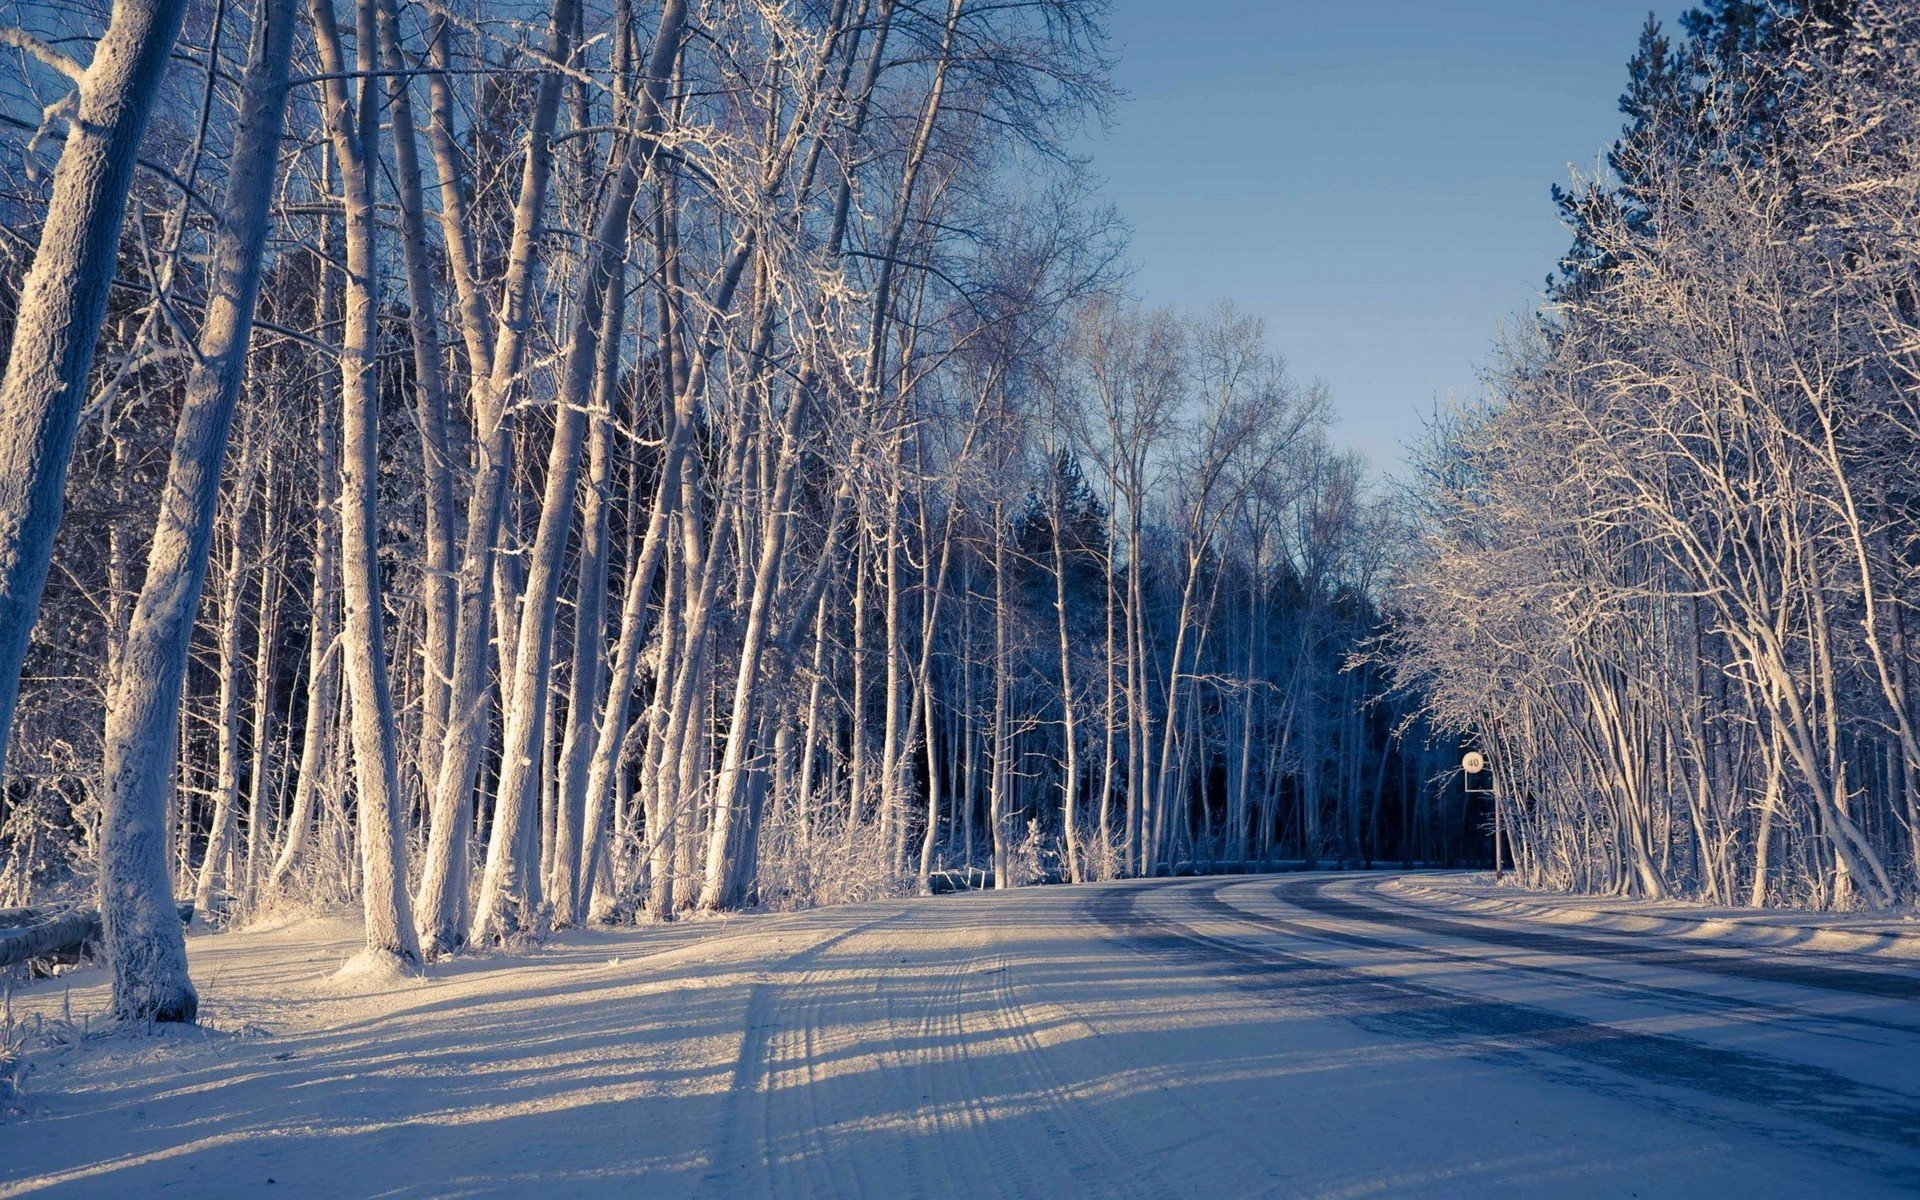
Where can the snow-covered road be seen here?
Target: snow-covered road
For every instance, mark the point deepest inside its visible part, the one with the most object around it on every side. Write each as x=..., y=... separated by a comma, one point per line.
x=1306, y=1035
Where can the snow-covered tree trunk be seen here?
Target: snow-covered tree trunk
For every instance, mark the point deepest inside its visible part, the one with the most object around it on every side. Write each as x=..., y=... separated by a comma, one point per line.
x=144, y=942
x=892, y=752
x=264, y=765
x=1001, y=778
x=604, y=767
x=353, y=126
x=725, y=860
x=497, y=356
x=60, y=307
x=857, y=717
x=1070, y=731
x=569, y=881
x=933, y=582
x=323, y=634
x=437, y=596
x=214, y=865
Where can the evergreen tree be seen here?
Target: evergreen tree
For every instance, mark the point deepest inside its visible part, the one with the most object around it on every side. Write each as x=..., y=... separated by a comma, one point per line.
x=1680, y=100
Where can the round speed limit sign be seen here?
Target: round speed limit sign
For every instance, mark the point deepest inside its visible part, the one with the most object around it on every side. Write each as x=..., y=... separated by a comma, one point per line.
x=1473, y=763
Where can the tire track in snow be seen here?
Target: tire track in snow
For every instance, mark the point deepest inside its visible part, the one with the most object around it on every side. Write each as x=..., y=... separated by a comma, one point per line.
x=903, y=1064
x=793, y=1053
x=755, y=1069
x=962, y=1098
x=952, y=1093
x=971, y=1100
x=993, y=1099
x=1070, y=1125
x=839, y=1124
x=1010, y=1174
x=1867, y=1120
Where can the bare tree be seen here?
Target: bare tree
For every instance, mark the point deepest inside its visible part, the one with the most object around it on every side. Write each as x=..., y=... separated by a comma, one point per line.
x=61, y=305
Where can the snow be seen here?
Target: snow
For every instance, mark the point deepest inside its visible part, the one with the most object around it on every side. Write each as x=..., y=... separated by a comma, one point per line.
x=1896, y=934
x=1301, y=1035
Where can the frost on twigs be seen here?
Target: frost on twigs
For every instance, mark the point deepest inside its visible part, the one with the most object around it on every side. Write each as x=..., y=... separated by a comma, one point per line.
x=13, y=1065
x=800, y=869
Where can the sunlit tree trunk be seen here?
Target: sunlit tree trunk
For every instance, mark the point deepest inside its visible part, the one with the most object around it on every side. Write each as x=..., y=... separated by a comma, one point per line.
x=57, y=319
x=144, y=943
x=353, y=126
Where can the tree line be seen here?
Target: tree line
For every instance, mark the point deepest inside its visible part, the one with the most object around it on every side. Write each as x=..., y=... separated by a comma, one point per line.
x=508, y=466
x=1668, y=570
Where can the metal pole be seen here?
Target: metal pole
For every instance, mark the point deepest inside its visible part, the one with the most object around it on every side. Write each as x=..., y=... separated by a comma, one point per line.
x=1493, y=794
x=1471, y=764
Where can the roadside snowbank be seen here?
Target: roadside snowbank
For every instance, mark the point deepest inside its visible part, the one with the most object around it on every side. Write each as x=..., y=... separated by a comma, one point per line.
x=1890, y=934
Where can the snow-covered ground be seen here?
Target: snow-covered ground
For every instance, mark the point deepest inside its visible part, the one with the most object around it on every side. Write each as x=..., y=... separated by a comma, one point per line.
x=1880, y=933
x=1304, y=1035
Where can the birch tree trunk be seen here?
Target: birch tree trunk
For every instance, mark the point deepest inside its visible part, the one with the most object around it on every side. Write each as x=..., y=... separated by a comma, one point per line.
x=569, y=882
x=61, y=304
x=323, y=635
x=220, y=836
x=497, y=358
x=724, y=861
x=353, y=126
x=1070, y=734
x=265, y=659
x=1002, y=766
x=144, y=943
x=437, y=596
x=526, y=709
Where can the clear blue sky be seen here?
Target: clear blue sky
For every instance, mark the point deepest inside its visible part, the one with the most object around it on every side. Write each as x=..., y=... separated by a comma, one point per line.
x=1369, y=177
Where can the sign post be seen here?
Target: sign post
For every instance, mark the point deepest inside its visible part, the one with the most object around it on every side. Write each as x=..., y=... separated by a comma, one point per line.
x=1471, y=764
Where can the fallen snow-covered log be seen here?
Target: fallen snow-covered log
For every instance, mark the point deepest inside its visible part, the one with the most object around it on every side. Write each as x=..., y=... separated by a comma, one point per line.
x=50, y=934
x=67, y=932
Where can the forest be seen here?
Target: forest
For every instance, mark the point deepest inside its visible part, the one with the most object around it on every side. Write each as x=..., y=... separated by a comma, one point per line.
x=501, y=467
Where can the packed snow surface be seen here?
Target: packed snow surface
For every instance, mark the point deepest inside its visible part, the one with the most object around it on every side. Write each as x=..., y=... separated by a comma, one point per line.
x=1301, y=1035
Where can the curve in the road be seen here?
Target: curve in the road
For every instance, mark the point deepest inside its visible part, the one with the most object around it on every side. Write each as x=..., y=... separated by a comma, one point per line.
x=1769, y=967
x=1696, y=1000
x=1862, y=1116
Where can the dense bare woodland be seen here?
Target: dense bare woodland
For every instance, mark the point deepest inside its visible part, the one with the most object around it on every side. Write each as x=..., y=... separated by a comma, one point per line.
x=1671, y=568
x=681, y=455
